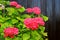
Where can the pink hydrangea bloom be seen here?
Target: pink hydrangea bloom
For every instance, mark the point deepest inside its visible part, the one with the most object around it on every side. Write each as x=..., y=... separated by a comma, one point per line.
x=18, y=6
x=13, y=3
x=33, y=23
x=30, y=24
x=40, y=21
x=15, y=31
x=10, y=32
x=29, y=10
x=36, y=10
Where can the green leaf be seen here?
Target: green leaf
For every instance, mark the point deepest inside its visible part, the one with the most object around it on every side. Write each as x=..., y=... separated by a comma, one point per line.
x=7, y=2
x=18, y=25
x=1, y=30
x=25, y=16
x=45, y=18
x=46, y=39
x=32, y=39
x=35, y=35
x=14, y=21
x=2, y=34
x=26, y=36
x=17, y=38
x=8, y=38
x=2, y=19
x=3, y=26
x=41, y=39
x=4, y=2
x=20, y=35
x=20, y=19
x=0, y=8
x=7, y=18
x=42, y=28
x=11, y=11
x=6, y=24
x=24, y=26
x=21, y=9
x=45, y=34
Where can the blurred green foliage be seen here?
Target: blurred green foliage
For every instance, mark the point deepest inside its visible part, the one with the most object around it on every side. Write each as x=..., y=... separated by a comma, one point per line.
x=11, y=16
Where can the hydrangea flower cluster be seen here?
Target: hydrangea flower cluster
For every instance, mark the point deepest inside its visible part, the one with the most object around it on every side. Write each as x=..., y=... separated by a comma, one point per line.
x=11, y=32
x=33, y=23
x=15, y=4
x=35, y=10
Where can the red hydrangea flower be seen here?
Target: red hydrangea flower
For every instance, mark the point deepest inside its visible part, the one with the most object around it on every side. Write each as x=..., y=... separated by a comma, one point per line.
x=33, y=23
x=40, y=21
x=13, y=3
x=15, y=31
x=36, y=10
x=29, y=10
x=30, y=24
x=18, y=6
x=11, y=32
